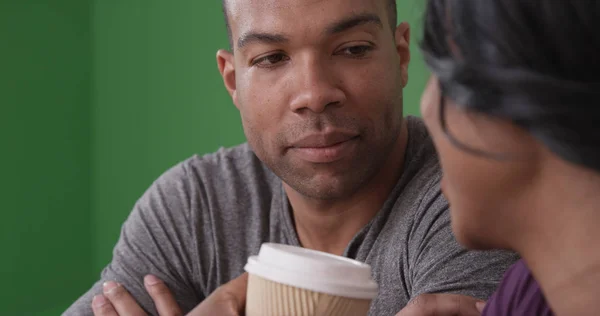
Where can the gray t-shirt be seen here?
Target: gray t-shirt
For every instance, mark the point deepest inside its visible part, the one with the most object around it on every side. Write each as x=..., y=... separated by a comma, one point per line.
x=198, y=223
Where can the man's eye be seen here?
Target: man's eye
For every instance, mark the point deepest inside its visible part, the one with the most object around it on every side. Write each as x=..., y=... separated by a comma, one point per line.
x=356, y=51
x=270, y=60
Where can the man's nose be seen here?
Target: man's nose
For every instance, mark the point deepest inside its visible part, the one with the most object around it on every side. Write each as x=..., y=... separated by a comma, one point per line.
x=316, y=87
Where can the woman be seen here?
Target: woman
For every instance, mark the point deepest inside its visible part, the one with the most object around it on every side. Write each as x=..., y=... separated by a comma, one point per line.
x=514, y=110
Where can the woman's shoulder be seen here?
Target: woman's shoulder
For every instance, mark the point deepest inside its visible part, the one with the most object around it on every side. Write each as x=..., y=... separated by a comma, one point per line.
x=518, y=294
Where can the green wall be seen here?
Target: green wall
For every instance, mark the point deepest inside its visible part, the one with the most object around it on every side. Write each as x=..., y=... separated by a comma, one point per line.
x=98, y=98
x=45, y=232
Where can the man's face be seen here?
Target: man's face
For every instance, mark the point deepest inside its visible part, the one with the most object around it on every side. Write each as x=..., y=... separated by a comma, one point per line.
x=318, y=84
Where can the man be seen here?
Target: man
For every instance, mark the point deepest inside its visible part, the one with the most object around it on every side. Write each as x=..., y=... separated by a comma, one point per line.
x=330, y=164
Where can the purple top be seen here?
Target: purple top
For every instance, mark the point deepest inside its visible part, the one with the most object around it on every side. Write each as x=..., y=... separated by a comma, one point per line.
x=519, y=294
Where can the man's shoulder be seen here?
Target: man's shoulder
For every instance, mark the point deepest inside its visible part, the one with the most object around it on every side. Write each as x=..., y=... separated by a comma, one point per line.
x=416, y=201
x=231, y=164
x=221, y=192
x=421, y=150
x=229, y=177
x=237, y=157
x=420, y=207
x=422, y=166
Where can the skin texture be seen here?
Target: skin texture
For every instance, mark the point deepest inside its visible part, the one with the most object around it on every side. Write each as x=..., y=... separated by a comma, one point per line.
x=334, y=77
x=534, y=202
x=484, y=193
x=314, y=83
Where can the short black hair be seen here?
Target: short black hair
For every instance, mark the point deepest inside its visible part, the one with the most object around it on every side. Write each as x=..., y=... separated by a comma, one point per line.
x=392, y=16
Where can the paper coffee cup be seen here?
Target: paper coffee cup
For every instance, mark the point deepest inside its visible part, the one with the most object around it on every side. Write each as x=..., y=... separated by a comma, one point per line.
x=293, y=281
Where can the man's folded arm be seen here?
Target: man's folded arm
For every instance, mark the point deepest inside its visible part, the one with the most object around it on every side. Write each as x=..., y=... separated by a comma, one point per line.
x=157, y=238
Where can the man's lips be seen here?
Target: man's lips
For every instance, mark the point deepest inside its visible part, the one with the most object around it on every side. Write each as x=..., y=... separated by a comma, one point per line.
x=325, y=147
x=320, y=140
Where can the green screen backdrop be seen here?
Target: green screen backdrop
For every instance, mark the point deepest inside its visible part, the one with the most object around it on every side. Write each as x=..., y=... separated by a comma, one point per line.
x=45, y=83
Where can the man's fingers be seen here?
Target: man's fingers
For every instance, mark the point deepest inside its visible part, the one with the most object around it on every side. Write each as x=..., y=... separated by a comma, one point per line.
x=102, y=306
x=161, y=295
x=480, y=306
x=458, y=304
x=228, y=300
x=422, y=305
x=238, y=287
x=121, y=300
x=441, y=305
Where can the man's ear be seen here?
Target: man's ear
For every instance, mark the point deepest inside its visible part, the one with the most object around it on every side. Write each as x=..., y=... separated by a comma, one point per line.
x=402, y=36
x=225, y=61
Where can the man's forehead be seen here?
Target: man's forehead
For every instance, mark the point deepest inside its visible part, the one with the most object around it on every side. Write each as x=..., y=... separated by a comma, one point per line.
x=245, y=15
x=292, y=3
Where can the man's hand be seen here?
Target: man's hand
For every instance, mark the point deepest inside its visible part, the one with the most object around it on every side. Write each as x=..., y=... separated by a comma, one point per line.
x=228, y=300
x=443, y=305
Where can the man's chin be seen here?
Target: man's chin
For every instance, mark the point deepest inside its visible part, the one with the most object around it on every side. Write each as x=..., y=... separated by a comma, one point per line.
x=324, y=188
x=320, y=193
x=337, y=180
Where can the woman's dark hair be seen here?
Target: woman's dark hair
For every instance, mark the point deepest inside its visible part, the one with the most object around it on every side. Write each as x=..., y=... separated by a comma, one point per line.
x=534, y=62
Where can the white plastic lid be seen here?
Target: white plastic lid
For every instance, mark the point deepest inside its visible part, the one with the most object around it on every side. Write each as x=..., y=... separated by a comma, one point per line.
x=313, y=270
